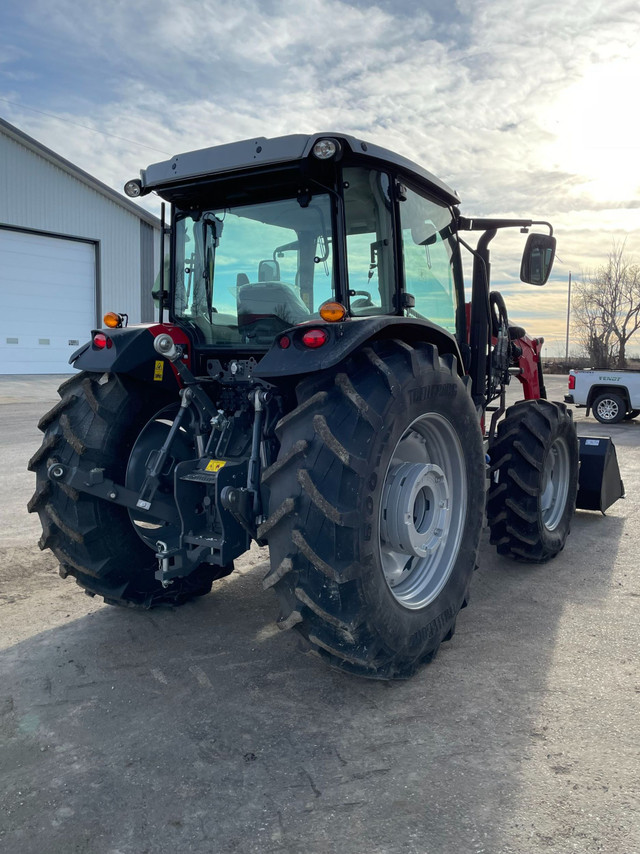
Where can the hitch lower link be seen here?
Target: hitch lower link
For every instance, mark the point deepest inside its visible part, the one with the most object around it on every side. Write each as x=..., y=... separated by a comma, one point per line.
x=94, y=482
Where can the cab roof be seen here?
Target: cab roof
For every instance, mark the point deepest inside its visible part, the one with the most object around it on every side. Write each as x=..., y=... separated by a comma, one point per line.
x=260, y=152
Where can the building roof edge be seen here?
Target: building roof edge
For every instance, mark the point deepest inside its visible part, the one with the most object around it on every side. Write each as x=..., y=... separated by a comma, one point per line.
x=38, y=148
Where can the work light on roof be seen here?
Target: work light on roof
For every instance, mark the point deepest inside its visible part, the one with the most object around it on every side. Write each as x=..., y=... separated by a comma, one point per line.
x=133, y=188
x=325, y=149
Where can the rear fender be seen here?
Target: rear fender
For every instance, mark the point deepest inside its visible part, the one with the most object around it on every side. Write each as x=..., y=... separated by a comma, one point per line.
x=294, y=358
x=131, y=351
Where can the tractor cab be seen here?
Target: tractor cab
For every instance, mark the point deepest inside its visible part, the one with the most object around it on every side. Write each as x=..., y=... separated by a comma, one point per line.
x=273, y=235
x=296, y=223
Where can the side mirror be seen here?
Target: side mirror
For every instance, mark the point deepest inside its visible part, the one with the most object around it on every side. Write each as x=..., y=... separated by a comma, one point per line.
x=268, y=271
x=537, y=259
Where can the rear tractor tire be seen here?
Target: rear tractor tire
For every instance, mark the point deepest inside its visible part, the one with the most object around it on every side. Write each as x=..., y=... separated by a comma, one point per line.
x=98, y=420
x=533, y=481
x=375, y=510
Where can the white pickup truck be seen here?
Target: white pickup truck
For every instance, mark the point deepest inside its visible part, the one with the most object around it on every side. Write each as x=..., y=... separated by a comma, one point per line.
x=611, y=395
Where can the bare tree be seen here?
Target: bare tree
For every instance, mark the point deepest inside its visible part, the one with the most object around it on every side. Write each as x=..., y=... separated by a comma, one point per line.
x=606, y=309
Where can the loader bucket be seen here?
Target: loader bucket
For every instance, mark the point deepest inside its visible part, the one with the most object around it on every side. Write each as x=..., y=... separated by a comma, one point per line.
x=599, y=484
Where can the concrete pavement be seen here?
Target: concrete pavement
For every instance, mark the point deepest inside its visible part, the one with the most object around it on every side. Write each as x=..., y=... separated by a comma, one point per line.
x=205, y=729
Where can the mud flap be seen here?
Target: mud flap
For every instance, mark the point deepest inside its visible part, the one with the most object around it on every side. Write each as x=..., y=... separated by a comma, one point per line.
x=599, y=484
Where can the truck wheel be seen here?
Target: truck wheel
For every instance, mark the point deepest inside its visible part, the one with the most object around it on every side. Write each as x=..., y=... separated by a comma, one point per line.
x=609, y=408
x=98, y=419
x=375, y=509
x=533, y=480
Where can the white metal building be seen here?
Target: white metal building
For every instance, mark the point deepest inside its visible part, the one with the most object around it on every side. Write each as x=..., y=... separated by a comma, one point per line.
x=71, y=248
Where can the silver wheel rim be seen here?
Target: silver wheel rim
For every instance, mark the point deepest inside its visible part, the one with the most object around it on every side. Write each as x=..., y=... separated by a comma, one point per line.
x=423, y=511
x=608, y=409
x=555, y=484
x=151, y=437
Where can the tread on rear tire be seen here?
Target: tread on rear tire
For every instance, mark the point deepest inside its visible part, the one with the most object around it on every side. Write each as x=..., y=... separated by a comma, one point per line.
x=359, y=600
x=97, y=420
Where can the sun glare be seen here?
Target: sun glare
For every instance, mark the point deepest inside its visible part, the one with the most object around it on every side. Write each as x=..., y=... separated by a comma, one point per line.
x=597, y=130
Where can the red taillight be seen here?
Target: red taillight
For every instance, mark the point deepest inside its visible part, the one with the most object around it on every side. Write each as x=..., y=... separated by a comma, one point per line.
x=572, y=381
x=101, y=341
x=284, y=342
x=314, y=338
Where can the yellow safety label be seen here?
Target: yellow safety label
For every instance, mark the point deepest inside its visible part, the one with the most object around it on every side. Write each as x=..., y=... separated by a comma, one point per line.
x=159, y=370
x=215, y=465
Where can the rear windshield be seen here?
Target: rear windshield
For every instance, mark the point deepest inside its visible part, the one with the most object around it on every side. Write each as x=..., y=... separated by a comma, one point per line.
x=244, y=274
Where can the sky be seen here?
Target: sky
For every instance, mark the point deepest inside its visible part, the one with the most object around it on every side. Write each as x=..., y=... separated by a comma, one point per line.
x=527, y=108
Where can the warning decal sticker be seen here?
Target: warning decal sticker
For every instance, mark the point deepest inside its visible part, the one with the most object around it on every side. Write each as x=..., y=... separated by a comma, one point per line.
x=215, y=465
x=159, y=370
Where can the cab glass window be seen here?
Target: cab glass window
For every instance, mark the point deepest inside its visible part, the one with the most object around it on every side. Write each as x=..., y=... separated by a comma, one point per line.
x=244, y=274
x=370, y=251
x=427, y=247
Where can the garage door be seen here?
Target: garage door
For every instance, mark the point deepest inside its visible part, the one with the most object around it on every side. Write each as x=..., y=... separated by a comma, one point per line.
x=47, y=288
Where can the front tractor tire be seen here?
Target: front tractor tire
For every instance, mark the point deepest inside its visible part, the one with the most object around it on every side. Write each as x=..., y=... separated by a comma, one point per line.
x=97, y=422
x=375, y=512
x=533, y=481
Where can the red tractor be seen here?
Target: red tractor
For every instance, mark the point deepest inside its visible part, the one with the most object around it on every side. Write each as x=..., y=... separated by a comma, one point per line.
x=316, y=383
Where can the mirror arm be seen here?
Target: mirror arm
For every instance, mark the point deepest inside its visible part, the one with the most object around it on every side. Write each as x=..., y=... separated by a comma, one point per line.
x=470, y=224
x=545, y=223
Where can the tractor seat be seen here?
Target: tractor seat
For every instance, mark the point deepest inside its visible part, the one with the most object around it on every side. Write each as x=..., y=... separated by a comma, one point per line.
x=267, y=308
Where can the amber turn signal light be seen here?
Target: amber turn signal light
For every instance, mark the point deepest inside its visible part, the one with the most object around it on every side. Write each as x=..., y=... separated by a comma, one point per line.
x=332, y=312
x=112, y=320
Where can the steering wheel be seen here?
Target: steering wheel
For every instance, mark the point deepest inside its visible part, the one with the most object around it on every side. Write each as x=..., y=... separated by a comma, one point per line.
x=498, y=311
x=361, y=303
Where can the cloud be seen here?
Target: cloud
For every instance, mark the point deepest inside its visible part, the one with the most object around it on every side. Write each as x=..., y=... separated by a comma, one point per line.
x=488, y=95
